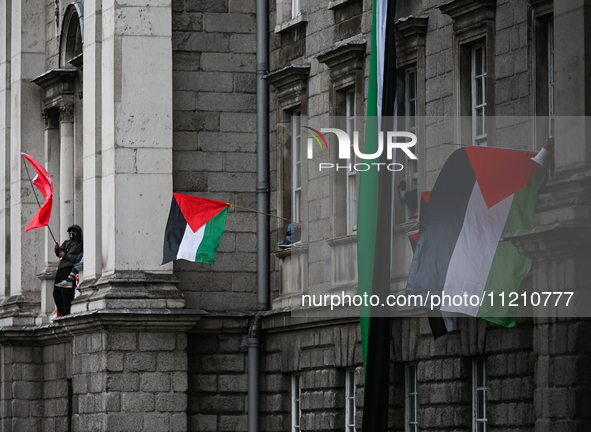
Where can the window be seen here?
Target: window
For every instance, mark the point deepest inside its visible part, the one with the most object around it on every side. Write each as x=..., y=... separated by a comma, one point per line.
x=410, y=110
x=479, y=382
x=296, y=8
x=296, y=158
x=478, y=81
x=550, y=27
x=350, y=400
x=411, y=385
x=296, y=411
x=351, y=173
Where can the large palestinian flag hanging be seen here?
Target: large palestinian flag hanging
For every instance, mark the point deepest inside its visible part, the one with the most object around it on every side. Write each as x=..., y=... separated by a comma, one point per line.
x=194, y=229
x=481, y=194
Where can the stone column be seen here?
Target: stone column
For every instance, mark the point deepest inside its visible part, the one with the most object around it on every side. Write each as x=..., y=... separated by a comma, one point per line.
x=136, y=139
x=26, y=135
x=52, y=164
x=560, y=243
x=92, y=208
x=66, y=134
x=5, y=36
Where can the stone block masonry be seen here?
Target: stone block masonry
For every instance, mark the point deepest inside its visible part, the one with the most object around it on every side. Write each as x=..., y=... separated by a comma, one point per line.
x=214, y=140
x=130, y=381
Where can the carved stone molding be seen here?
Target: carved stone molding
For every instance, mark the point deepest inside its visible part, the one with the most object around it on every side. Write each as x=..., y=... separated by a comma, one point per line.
x=344, y=58
x=290, y=82
x=66, y=113
x=50, y=118
x=57, y=85
x=411, y=31
x=468, y=13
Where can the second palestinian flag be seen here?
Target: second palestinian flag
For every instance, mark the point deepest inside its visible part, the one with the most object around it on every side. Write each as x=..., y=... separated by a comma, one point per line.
x=481, y=194
x=194, y=229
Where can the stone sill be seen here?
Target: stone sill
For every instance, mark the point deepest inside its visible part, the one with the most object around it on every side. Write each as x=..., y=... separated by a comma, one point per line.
x=294, y=22
x=294, y=250
x=352, y=238
x=336, y=3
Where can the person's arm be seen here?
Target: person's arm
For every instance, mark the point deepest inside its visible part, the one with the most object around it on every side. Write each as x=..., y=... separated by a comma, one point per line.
x=73, y=254
x=59, y=251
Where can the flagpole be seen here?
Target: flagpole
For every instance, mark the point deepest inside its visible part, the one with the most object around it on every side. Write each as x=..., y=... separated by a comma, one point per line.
x=256, y=211
x=37, y=199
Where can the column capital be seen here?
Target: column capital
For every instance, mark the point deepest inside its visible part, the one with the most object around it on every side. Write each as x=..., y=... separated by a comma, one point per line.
x=66, y=112
x=50, y=118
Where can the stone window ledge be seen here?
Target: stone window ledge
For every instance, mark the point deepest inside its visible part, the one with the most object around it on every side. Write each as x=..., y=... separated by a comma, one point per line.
x=294, y=250
x=333, y=4
x=294, y=22
x=342, y=240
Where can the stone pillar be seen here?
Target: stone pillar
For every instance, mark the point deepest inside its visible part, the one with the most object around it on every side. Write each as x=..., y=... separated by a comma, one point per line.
x=560, y=243
x=52, y=164
x=66, y=202
x=136, y=140
x=5, y=35
x=26, y=135
x=92, y=209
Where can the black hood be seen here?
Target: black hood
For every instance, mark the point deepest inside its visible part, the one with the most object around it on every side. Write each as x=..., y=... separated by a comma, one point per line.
x=78, y=232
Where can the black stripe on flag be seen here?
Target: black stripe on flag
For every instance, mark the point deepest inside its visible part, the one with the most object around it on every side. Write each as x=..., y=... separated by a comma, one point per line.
x=175, y=230
x=377, y=368
x=441, y=225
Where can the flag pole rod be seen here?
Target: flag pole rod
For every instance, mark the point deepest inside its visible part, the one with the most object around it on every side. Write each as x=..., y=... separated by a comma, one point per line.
x=37, y=199
x=256, y=211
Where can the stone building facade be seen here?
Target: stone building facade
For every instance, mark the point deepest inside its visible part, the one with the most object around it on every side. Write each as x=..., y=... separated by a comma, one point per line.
x=127, y=101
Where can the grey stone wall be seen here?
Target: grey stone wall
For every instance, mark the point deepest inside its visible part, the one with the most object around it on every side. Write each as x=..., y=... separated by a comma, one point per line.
x=218, y=377
x=130, y=381
x=214, y=140
x=321, y=355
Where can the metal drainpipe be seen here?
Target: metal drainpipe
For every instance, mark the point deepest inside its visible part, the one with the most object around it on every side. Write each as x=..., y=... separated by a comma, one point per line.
x=253, y=342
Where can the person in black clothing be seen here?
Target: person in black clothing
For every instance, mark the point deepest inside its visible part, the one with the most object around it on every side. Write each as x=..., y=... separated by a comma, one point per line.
x=68, y=252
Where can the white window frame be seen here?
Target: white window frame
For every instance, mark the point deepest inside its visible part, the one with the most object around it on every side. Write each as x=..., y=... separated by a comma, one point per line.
x=296, y=8
x=410, y=105
x=550, y=27
x=296, y=166
x=296, y=408
x=479, y=386
x=479, y=50
x=351, y=173
x=350, y=400
x=411, y=395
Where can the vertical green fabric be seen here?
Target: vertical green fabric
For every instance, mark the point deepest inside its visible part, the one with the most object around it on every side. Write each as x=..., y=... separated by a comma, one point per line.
x=509, y=267
x=368, y=195
x=214, y=230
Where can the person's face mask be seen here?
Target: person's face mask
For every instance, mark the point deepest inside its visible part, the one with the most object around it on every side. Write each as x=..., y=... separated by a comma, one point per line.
x=72, y=234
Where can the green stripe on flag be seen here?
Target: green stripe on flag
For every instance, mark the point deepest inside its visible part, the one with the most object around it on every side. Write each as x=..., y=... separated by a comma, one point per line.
x=509, y=267
x=212, y=236
x=367, y=212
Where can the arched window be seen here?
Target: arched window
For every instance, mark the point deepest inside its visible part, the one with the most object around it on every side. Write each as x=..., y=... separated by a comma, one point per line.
x=72, y=34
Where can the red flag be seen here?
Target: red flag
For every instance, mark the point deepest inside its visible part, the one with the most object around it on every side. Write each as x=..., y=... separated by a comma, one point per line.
x=43, y=182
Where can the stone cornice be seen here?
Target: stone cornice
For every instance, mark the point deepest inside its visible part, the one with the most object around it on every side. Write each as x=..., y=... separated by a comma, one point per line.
x=467, y=13
x=289, y=76
x=341, y=55
x=54, y=77
x=77, y=61
x=412, y=26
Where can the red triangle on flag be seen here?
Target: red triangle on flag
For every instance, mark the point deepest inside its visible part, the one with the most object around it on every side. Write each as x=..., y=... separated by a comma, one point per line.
x=500, y=172
x=198, y=211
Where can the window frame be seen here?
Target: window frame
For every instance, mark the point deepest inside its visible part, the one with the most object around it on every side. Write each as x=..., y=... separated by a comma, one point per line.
x=476, y=420
x=296, y=165
x=295, y=402
x=351, y=182
x=350, y=399
x=408, y=423
x=475, y=77
x=411, y=171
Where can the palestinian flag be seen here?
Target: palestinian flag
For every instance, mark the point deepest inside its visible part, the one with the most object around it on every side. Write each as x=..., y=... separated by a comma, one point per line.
x=481, y=194
x=194, y=229
x=374, y=226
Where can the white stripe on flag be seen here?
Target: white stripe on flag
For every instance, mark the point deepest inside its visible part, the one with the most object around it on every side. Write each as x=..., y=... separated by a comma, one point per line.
x=381, y=19
x=474, y=251
x=190, y=243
